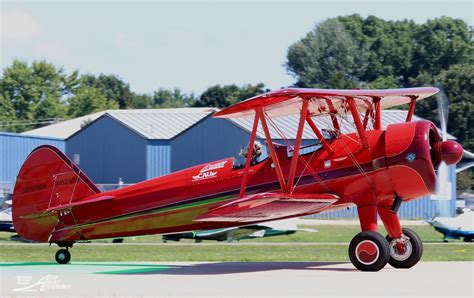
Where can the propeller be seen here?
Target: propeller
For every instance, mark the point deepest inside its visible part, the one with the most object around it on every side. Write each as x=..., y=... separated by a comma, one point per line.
x=443, y=187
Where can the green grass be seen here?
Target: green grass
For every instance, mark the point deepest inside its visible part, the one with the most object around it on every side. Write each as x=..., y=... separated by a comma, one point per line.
x=218, y=252
x=316, y=248
x=344, y=234
x=326, y=233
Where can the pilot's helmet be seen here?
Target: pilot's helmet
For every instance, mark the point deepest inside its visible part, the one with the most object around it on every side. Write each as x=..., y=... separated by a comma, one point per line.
x=257, y=150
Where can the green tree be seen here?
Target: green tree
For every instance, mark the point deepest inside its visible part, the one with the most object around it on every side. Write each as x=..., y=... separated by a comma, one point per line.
x=458, y=84
x=400, y=49
x=89, y=100
x=384, y=82
x=50, y=108
x=464, y=181
x=142, y=101
x=164, y=98
x=7, y=114
x=223, y=96
x=36, y=92
x=388, y=45
x=392, y=54
x=112, y=87
x=440, y=43
x=327, y=57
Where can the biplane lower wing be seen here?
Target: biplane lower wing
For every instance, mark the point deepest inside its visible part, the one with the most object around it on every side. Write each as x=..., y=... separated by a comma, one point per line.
x=268, y=206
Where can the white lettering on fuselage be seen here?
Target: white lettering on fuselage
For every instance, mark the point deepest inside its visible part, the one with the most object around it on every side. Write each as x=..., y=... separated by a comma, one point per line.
x=215, y=166
x=207, y=172
x=204, y=175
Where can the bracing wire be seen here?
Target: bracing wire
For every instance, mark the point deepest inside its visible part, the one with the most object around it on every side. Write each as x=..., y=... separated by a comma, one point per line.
x=348, y=127
x=312, y=172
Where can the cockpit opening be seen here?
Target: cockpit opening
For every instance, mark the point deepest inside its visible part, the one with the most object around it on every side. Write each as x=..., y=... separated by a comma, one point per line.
x=261, y=153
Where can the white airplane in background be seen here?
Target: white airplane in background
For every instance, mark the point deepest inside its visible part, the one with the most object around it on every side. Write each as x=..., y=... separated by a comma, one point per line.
x=461, y=226
x=6, y=224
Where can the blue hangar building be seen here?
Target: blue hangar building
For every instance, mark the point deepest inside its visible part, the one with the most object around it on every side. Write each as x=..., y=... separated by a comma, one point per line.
x=135, y=145
x=14, y=148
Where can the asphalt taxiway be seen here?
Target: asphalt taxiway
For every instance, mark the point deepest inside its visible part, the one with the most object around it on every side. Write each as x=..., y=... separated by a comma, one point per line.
x=243, y=279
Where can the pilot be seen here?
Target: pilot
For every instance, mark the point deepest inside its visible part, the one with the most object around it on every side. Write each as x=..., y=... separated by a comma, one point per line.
x=256, y=154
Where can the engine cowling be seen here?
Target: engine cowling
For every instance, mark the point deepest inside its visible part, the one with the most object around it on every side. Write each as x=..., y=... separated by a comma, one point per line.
x=413, y=151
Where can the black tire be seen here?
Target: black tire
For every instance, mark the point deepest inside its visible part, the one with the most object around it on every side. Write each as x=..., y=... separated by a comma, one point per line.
x=63, y=256
x=468, y=239
x=366, y=261
x=415, y=246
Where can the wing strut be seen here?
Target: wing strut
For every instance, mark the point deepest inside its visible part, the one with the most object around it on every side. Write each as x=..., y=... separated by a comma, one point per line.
x=412, y=108
x=333, y=112
x=368, y=112
x=275, y=160
x=319, y=134
x=249, y=153
x=358, y=123
x=296, y=149
x=378, y=114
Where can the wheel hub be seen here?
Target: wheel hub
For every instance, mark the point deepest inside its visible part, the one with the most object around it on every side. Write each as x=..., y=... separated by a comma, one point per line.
x=367, y=252
x=401, y=248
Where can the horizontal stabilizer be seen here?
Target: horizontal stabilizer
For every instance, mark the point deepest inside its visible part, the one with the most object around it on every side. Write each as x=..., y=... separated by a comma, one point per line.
x=69, y=207
x=268, y=206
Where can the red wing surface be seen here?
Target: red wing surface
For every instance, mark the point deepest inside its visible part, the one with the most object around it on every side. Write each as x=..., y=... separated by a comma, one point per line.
x=289, y=101
x=268, y=206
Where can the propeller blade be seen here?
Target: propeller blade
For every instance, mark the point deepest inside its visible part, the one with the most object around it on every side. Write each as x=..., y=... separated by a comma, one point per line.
x=443, y=185
x=443, y=109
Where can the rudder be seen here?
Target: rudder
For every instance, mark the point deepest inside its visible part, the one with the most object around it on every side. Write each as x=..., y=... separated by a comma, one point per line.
x=47, y=180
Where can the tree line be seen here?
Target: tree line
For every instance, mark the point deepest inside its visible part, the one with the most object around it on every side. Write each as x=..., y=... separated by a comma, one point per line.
x=342, y=52
x=32, y=95
x=356, y=52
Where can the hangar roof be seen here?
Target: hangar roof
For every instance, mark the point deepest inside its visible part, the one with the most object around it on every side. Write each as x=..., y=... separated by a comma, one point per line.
x=63, y=129
x=149, y=123
x=160, y=124
x=288, y=125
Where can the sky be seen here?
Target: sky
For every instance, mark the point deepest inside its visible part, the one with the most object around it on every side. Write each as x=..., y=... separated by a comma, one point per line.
x=190, y=45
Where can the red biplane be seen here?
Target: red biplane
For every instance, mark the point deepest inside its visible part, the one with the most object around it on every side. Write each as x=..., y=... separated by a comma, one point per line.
x=369, y=167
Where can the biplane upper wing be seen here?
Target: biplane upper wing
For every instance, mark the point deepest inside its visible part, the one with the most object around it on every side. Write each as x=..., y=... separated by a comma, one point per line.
x=268, y=206
x=322, y=101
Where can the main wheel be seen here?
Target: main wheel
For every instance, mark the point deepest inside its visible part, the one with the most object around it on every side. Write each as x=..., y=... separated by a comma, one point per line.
x=63, y=256
x=369, y=251
x=406, y=251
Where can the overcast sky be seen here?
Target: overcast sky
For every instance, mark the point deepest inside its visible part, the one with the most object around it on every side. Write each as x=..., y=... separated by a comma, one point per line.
x=186, y=44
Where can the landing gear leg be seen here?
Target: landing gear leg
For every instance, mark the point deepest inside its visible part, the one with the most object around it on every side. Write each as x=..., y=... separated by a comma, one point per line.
x=405, y=245
x=63, y=256
x=368, y=250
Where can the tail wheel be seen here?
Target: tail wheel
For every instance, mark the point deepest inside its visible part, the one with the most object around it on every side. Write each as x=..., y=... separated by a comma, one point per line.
x=369, y=251
x=63, y=256
x=406, y=251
